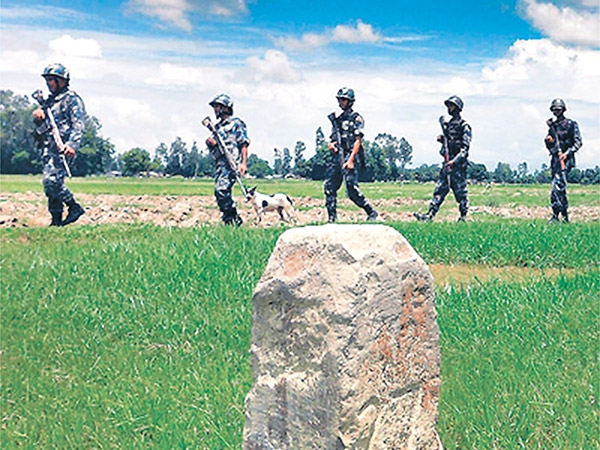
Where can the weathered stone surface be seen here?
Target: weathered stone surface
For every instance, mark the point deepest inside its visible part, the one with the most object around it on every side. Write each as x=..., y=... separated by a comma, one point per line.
x=345, y=344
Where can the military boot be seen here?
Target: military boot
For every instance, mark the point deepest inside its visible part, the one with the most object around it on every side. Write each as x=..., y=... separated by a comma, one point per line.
x=462, y=218
x=74, y=213
x=565, y=217
x=373, y=216
x=233, y=218
x=238, y=221
x=553, y=219
x=56, y=219
x=423, y=217
x=331, y=216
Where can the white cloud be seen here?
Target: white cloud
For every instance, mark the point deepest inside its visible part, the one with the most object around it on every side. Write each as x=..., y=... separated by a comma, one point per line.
x=360, y=33
x=177, y=75
x=540, y=67
x=177, y=12
x=40, y=12
x=566, y=25
x=67, y=46
x=174, y=12
x=275, y=66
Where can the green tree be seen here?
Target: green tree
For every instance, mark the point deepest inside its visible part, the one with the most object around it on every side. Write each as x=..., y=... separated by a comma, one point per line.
x=96, y=154
x=257, y=167
x=425, y=173
x=390, y=146
x=301, y=166
x=286, y=162
x=18, y=147
x=277, y=162
x=477, y=172
x=503, y=173
x=135, y=161
x=574, y=176
x=543, y=175
x=591, y=176
x=206, y=165
x=318, y=163
x=175, y=159
x=320, y=140
x=404, y=156
x=522, y=171
x=159, y=163
x=377, y=164
x=190, y=162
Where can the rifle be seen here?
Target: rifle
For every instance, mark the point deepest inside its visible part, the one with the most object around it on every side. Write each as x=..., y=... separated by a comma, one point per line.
x=556, y=148
x=445, y=147
x=223, y=150
x=39, y=97
x=338, y=137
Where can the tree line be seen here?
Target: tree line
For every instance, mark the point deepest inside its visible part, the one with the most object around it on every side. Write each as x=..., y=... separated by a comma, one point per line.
x=386, y=158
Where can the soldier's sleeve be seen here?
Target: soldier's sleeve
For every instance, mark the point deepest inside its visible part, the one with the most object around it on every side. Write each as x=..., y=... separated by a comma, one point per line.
x=241, y=133
x=577, y=141
x=76, y=111
x=359, y=125
x=465, y=144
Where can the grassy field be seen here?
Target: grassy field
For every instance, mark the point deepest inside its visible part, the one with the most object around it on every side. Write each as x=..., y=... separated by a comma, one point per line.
x=136, y=336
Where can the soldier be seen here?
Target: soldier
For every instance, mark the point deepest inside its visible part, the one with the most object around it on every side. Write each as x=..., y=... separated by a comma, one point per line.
x=69, y=115
x=563, y=140
x=233, y=133
x=457, y=139
x=346, y=142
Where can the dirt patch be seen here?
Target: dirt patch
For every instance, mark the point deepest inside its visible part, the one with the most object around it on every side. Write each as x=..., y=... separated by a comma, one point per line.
x=29, y=210
x=462, y=275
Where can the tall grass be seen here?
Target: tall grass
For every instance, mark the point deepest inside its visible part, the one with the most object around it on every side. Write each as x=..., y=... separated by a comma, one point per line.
x=122, y=337
x=519, y=364
x=535, y=244
x=138, y=336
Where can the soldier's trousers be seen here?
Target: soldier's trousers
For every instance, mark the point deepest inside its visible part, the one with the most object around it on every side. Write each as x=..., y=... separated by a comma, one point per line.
x=458, y=184
x=335, y=175
x=224, y=181
x=558, y=194
x=53, y=179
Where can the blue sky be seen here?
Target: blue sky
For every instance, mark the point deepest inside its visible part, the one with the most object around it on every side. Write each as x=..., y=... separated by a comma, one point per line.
x=147, y=68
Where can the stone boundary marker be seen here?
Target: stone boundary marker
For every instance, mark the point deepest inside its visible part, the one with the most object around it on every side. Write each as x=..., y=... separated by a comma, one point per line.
x=345, y=344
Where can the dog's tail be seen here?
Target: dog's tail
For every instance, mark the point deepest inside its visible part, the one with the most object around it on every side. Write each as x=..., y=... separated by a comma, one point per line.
x=289, y=199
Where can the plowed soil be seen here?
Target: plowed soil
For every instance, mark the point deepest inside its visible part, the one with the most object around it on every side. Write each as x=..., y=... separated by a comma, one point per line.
x=29, y=210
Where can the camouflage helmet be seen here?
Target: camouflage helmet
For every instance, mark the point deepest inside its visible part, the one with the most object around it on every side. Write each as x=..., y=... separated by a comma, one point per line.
x=456, y=101
x=224, y=100
x=558, y=103
x=346, y=93
x=56, y=70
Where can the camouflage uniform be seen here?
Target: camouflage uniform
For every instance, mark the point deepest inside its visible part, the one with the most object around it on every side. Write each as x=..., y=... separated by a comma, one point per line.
x=350, y=124
x=458, y=134
x=233, y=133
x=566, y=132
x=69, y=115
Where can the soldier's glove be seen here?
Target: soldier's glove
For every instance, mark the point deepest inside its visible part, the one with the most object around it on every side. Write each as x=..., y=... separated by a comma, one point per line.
x=549, y=139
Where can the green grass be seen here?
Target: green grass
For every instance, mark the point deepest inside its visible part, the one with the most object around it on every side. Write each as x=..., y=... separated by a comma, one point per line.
x=138, y=336
x=535, y=244
x=519, y=364
x=125, y=337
